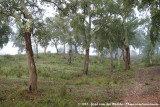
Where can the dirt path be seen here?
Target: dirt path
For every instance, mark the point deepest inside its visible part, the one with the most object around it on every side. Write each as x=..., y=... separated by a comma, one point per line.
x=140, y=93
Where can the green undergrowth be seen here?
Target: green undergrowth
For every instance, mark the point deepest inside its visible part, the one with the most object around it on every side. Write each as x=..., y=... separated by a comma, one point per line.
x=63, y=85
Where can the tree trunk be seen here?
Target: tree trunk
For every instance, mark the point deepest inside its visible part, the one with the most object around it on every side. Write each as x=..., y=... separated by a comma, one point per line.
x=126, y=45
x=123, y=55
x=45, y=49
x=56, y=47
x=31, y=63
x=86, y=62
x=127, y=59
x=37, y=50
x=119, y=57
x=64, y=50
x=101, y=56
x=150, y=55
x=70, y=54
x=87, y=41
x=111, y=57
x=76, y=50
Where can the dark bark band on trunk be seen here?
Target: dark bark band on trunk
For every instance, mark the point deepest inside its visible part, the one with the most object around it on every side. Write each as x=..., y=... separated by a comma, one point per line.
x=56, y=47
x=86, y=62
x=31, y=63
x=69, y=58
x=64, y=50
x=127, y=59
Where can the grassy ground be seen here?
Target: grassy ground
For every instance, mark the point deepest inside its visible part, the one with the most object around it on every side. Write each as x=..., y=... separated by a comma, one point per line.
x=63, y=85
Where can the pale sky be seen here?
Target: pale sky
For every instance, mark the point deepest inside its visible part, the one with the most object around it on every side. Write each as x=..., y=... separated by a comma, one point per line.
x=9, y=49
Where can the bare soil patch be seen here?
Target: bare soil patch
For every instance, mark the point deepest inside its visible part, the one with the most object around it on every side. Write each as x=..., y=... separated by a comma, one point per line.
x=144, y=92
